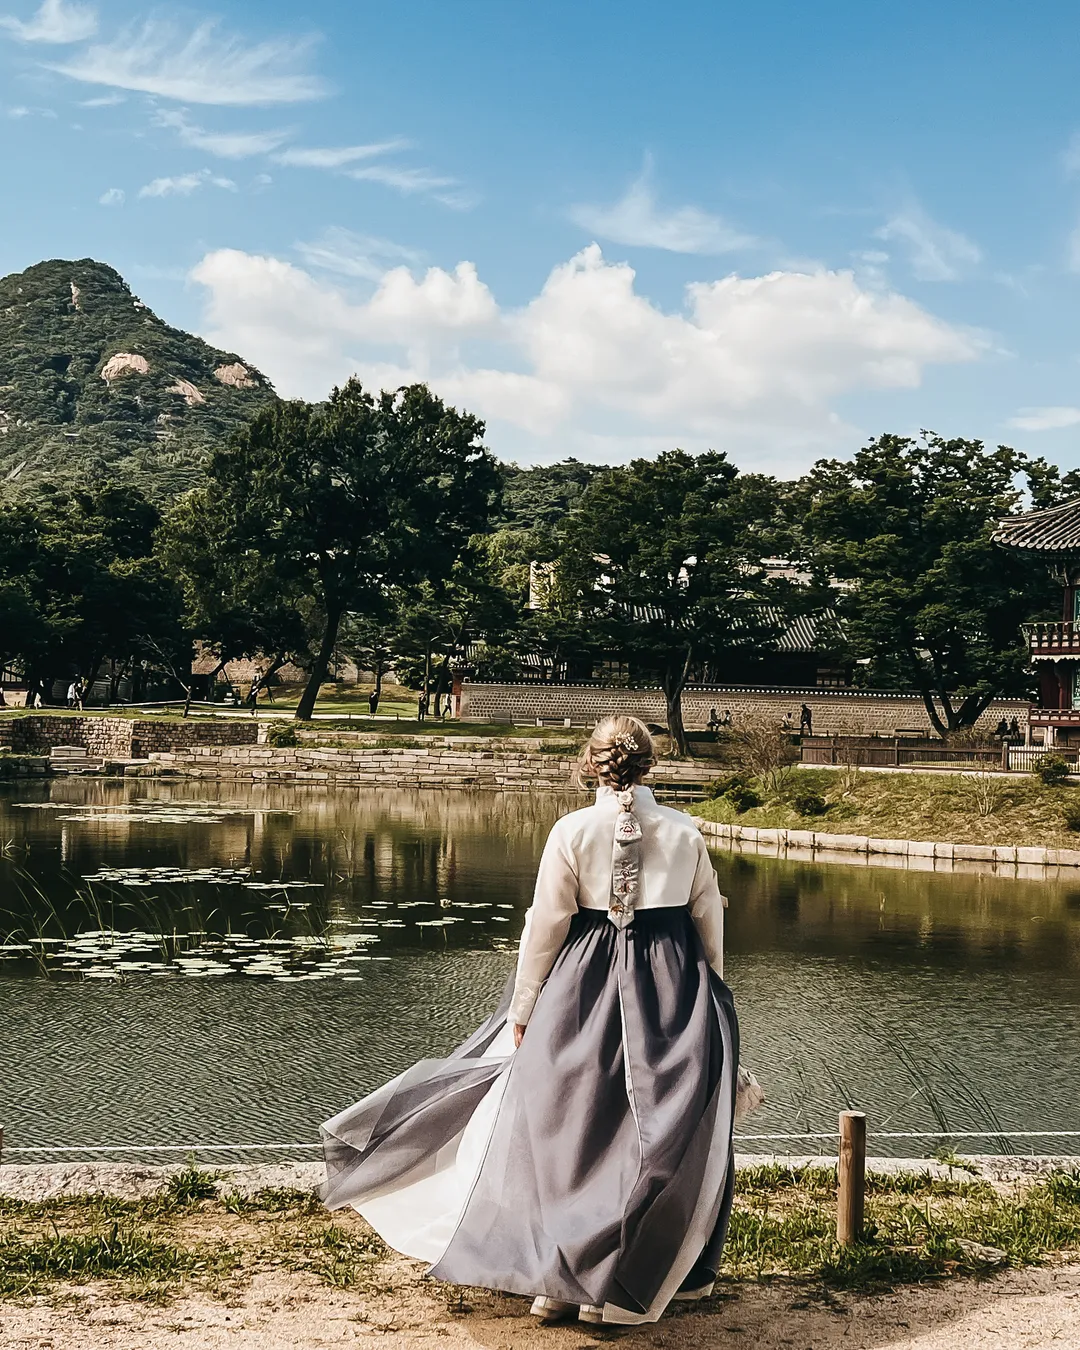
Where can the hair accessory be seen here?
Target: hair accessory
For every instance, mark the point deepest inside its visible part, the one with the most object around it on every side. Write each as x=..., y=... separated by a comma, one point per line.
x=625, y=741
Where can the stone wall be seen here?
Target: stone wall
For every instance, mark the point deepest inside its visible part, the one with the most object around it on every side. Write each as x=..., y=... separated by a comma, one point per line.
x=503, y=770
x=118, y=737
x=835, y=711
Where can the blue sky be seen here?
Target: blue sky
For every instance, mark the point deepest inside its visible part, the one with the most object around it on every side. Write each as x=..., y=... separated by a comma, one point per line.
x=609, y=228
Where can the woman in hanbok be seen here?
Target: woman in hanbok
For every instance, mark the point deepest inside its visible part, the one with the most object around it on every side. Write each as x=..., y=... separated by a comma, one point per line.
x=577, y=1147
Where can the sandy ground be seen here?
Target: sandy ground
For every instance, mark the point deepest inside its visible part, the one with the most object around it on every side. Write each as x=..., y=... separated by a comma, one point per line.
x=1027, y=1310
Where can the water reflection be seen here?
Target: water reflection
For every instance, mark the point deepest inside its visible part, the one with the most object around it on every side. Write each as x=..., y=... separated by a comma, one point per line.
x=318, y=941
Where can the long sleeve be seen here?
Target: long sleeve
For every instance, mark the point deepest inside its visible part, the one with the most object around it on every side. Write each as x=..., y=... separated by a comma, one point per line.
x=707, y=909
x=546, y=924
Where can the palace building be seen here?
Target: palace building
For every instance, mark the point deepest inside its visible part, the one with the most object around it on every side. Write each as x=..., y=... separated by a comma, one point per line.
x=1053, y=535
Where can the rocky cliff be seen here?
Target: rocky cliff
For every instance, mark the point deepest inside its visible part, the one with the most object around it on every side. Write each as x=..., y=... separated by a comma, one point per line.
x=94, y=386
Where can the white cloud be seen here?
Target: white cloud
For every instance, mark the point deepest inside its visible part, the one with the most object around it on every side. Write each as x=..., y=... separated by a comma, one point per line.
x=224, y=144
x=57, y=21
x=19, y=112
x=112, y=197
x=337, y=157
x=936, y=253
x=203, y=65
x=413, y=181
x=356, y=255
x=183, y=185
x=1045, y=419
x=105, y=101
x=637, y=221
x=341, y=159
x=590, y=365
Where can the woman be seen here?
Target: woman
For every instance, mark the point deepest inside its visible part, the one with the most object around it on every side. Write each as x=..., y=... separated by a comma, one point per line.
x=592, y=1165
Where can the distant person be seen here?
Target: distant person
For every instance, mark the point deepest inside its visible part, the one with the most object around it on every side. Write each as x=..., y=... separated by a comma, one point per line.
x=72, y=693
x=714, y=720
x=253, y=695
x=1001, y=731
x=1014, y=730
x=421, y=707
x=786, y=724
x=373, y=702
x=725, y=721
x=806, y=721
x=80, y=694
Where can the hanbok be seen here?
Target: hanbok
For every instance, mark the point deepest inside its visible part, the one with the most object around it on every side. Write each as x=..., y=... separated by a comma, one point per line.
x=594, y=1164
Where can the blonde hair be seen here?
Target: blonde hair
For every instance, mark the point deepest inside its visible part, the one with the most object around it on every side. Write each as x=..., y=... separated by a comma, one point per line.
x=618, y=754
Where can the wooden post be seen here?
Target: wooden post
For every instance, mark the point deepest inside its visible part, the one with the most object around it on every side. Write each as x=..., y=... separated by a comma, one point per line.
x=851, y=1176
x=1005, y=753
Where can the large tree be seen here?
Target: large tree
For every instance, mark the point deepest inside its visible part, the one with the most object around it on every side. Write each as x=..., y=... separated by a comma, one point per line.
x=347, y=499
x=665, y=557
x=238, y=602
x=80, y=584
x=927, y=601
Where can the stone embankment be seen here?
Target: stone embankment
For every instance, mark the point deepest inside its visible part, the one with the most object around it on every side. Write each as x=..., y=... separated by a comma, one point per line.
x=117, y=738
x=518, y=765
x=909, y=852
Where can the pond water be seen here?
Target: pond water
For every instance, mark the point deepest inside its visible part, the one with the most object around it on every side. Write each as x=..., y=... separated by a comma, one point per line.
x=215, y=963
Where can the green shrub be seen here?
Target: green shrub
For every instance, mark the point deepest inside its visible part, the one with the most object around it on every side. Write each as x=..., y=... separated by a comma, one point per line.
x=810, y=804
x=1072, y=817
x=737, y=788
x=282, y=734
x=1053, y=770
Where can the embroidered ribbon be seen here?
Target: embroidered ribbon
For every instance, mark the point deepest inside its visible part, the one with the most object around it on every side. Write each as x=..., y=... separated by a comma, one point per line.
x=625, y=862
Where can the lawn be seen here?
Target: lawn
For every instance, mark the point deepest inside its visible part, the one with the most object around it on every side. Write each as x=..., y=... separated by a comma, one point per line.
x=950, y=808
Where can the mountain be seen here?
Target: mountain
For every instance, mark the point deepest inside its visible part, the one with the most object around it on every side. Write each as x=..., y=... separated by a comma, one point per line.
x=95, y=386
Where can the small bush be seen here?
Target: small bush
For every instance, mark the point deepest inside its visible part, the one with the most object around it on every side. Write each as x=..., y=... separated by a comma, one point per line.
x=282, y=734
x=737, y=788
x=1053, y=770
x=810, y=804
x=1072, y=817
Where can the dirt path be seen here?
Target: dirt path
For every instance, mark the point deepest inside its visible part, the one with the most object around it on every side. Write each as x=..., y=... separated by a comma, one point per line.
x=1020, y=1310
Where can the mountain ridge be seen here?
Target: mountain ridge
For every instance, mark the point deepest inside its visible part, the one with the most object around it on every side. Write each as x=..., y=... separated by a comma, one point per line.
x=95, y=387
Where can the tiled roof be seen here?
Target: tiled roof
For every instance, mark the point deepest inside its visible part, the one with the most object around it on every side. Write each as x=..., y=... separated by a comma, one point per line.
x=1054, y=530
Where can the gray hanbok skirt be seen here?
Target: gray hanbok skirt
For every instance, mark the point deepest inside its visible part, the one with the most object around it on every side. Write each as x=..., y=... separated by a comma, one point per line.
x=593, y=1165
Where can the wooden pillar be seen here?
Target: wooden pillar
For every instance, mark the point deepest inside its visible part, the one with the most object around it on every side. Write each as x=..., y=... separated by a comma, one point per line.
x=851, y=1178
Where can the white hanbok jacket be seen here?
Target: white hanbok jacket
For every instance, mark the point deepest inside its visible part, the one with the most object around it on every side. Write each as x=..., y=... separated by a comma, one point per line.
x=575, y=873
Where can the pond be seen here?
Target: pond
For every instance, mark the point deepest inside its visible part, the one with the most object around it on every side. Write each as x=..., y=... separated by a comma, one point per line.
x=214, y=963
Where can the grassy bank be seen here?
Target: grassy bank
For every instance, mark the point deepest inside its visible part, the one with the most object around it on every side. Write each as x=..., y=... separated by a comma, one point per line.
x=951, y=808
x=782, y=1227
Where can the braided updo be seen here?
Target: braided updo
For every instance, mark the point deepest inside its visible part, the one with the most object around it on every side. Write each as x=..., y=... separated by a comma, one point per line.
x=619, y=753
